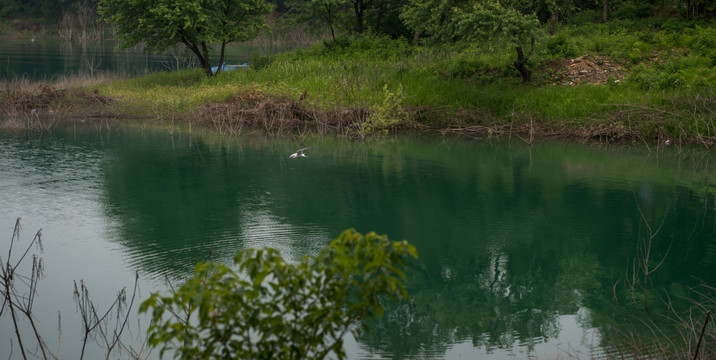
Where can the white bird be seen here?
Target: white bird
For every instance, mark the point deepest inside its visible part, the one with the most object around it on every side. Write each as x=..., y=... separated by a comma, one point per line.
x=299, y=153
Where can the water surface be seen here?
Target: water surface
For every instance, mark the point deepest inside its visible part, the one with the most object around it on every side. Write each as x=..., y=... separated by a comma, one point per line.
x=525, y=252
x=46, y=59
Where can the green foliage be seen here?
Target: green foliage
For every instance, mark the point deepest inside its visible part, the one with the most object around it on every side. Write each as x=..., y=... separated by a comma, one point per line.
x=560, y=47
x=365, y=47
x=460, y=84
x=470, y=20
x=321, y=14
x=705, y=42
x=388, y=113
x=463, y=67
x=259, y=62
x=632, y=9
x=275, y=310
x=198, y=25
x=41, y=10
x=674, y=73
x=350, y=16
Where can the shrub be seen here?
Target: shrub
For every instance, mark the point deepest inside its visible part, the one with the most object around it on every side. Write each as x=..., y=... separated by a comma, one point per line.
x=388, y=113
x=465, y=66
x=649, y=78
x=368, y=47
x=259, y=62
x=633, y=10
x=705, y=43
x=277, y=310
x=560, y=47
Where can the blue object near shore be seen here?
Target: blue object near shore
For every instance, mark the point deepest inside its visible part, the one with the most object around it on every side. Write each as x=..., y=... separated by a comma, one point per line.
x=226, y=67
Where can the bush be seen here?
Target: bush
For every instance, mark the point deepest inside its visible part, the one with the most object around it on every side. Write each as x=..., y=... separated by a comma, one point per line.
x=277, y=310
x=259, y=62
x=368, y=47
x=652, y=78
x=560, y=47
x=705, y=43
x=465, y=66
x=633, y=10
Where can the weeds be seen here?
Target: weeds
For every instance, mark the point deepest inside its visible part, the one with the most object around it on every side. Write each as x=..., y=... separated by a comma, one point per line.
x=386, y=115
x=643, y=263
x=692, y=337
x=19, y=291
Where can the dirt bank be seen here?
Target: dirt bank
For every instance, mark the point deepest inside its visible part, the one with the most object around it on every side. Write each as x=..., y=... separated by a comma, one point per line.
x=44, y=107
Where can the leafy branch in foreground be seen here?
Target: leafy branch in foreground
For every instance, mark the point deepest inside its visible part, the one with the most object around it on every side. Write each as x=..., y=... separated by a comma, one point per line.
x=273, y=309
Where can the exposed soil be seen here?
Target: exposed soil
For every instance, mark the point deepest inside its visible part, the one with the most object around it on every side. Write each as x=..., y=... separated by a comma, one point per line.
x=254, y=109
x=584, y=70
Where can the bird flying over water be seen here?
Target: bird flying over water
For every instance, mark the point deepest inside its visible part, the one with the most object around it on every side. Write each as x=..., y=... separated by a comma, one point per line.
x=299, y=153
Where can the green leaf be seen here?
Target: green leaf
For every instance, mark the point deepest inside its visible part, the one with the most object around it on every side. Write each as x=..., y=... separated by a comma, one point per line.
x=324, y=297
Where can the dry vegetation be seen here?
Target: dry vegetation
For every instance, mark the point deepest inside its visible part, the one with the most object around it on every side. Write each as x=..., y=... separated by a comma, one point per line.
x=36, y=105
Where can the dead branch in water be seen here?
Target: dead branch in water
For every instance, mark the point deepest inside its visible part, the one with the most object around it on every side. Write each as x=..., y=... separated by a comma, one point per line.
x=19, y=291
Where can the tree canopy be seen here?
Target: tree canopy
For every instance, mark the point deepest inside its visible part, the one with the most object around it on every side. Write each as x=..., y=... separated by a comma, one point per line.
x=472, y=20
x=197, y=24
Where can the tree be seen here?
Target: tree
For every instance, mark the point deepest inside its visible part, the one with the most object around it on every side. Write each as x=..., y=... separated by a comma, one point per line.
x=699, y=9
x=472, y=20
x=198, y=24
x=319, y=13
x=354, y=16
x=277, y=310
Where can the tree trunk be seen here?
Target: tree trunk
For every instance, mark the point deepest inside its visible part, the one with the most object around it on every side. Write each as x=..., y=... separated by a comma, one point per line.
x=379, y=19
x=553, y=23
x=520, y=65
x=330, y=22
x=221, y=57
x=416, y=38
x=358, y=7
x=605, y=11
x=203, y=60
x=207, y=61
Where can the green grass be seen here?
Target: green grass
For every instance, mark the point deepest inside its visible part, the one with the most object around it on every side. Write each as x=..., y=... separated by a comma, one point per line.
x=663, y=62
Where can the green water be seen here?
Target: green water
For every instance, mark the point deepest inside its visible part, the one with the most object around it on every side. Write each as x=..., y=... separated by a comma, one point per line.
x=43, y=59
x=524, y=251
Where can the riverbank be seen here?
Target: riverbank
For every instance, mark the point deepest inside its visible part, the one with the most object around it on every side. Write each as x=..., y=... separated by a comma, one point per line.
x=620, y=81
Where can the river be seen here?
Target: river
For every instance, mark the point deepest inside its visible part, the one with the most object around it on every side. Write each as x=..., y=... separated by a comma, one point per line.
x=524, y=251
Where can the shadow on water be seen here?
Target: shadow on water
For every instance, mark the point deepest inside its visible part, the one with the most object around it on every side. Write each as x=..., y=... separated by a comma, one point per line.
x=523, y=251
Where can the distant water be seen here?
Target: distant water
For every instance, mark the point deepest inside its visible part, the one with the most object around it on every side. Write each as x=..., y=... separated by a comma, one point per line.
x=42, y=59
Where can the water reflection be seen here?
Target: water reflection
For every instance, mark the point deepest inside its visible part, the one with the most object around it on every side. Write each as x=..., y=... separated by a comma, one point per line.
x=523, y=251
x=41, y=59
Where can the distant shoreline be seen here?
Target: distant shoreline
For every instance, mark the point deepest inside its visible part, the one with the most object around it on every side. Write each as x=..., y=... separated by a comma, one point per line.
x=611, y=91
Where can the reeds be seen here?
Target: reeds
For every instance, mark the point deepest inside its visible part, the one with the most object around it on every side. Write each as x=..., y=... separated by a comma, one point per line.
x=19, y=289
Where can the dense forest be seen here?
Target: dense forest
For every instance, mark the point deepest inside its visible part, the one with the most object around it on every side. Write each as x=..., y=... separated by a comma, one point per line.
x=384, y=16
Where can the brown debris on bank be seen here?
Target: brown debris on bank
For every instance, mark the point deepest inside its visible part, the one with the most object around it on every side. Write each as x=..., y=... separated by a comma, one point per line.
x=255, y=110
x=585, y=70
x=44, y=107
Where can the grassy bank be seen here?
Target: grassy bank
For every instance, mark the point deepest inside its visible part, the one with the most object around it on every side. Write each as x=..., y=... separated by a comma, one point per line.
x=632, y=81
